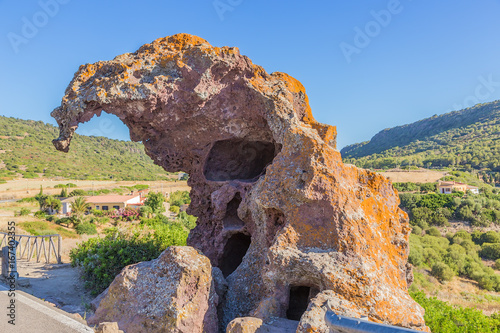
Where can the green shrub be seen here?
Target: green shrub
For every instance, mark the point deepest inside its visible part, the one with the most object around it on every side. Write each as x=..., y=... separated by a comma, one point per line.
x=490, y=251
x=97, y=212
x=40, y=214
x=431, y=256
x=428, y=187
x=416, y=257
x=155, y=200
x=102, y=259
x=442, y=272
x=64, y=220
x=103, y=220
x=456, y=258
x=497, y=264
x=179, y=198
x=463, y=234
x=409, y=200
x=490, y=237
x=470, y=247
x=433, y=231
x=189, y=221
x=146, y=211
x=29, y=199
x=175, y=209
x=476, y=237
x=24, y=211
x=406, y=187
x=77, y=193
x=444, y=318
x=86, y=228
x=488, y=281
x=439, y=220
x=465, y=213
x=420, y=214
x=416, y=230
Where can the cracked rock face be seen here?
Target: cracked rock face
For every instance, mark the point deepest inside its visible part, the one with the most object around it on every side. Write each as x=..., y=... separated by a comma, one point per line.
x=183, y=278
x=278, y=212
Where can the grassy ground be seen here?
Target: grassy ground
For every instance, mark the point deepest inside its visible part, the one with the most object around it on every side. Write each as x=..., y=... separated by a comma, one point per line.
x=40, y=228
x=459, y=291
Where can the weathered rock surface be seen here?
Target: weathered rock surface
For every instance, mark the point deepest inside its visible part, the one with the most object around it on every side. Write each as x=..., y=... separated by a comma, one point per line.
x=278, y=211
x=257, y=325
x=173, y=293
x=108, y=327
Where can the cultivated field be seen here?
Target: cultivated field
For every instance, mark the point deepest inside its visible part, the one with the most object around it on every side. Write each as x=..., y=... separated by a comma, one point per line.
x=22, y=188
x=414, y=176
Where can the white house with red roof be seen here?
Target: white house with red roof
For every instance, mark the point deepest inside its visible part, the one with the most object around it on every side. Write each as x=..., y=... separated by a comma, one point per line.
x=106, y=202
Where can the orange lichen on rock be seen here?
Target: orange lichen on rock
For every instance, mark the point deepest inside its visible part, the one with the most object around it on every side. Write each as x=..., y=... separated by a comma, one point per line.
x=285, y=221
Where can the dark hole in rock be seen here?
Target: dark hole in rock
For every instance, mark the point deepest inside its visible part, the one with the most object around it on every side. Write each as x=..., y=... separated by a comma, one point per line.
x=234, y=251
x=238, y=160
x=298, y=302
x=231, y=220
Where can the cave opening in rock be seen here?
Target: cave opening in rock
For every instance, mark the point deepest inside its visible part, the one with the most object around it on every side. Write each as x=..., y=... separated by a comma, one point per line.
x=298, y=302
x=234, y=251
x=231, y=219
x=238, y=159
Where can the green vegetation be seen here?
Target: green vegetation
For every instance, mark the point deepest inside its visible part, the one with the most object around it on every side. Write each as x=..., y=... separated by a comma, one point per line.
x=78, y=207
x=28, y=151
x=415, y=187
x=176, y=200
x=86, y=228
x=437, y=209
x=467, y=139
x=155, y=201
x=40, y=228
x=457, y=254
x=23, y=212
x=68, y=185
x=188, y=221
x=103, y=258
x=179, y=198
x=444, y=318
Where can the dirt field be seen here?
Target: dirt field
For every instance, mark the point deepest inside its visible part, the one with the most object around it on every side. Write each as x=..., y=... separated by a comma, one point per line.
x=22, y=188
x=414, y=176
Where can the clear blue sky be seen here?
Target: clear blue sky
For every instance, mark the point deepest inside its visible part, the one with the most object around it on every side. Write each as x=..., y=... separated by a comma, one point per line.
x=366, y=65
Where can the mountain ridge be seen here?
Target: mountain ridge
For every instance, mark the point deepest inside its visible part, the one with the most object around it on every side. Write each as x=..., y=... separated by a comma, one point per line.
x=467, y=138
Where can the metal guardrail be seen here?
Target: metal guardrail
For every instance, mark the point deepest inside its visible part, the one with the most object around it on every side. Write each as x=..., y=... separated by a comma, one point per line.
x=341, y=324
x=30, y=246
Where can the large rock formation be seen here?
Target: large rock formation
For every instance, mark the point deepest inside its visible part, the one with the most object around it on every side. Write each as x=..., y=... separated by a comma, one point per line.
x=278, y=211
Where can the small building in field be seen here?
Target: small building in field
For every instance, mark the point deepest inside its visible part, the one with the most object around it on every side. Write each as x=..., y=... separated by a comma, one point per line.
x=449, y=187
x=105, y=202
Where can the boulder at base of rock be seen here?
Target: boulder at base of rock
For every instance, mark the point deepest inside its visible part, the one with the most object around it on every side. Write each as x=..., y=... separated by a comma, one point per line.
x=108, y=327
x=256, y=325
x=173, y=293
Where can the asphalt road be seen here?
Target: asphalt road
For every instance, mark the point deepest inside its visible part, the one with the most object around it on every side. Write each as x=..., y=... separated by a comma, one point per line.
x=32, y=315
